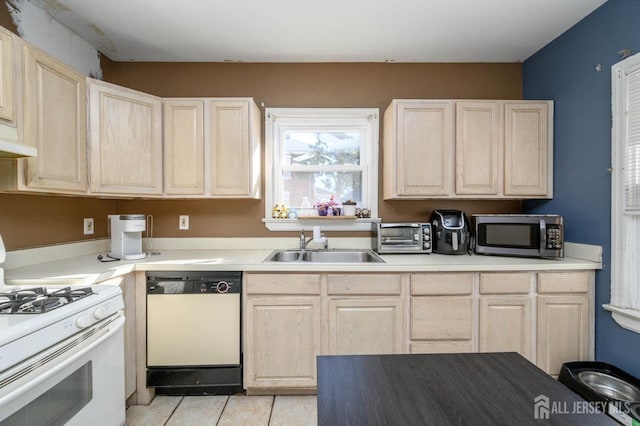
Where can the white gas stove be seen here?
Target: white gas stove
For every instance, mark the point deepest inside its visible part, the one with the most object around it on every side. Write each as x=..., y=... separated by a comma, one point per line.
x=63, y=344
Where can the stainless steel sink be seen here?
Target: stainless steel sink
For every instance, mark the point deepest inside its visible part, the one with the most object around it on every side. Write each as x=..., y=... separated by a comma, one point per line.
x=324, y=256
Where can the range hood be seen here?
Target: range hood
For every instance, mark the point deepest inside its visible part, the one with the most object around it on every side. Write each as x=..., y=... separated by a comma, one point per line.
x=10, y=147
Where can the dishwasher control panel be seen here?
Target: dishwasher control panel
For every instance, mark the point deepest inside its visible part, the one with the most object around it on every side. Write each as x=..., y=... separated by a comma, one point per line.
x=201, y=282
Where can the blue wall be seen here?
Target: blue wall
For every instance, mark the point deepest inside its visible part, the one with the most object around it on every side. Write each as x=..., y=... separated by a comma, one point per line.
x=565, y=71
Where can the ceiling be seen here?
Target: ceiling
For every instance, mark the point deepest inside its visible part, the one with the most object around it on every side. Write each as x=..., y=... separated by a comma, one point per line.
x=325, y=31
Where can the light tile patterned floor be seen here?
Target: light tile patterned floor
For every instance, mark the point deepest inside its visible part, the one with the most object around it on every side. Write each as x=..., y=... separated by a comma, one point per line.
x=234, y=410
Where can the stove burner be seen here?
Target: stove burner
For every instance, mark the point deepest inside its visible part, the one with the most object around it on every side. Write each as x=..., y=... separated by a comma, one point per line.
x=38, y=300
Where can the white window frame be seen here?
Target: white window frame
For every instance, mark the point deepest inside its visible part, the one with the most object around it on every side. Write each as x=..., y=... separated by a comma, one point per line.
x=625, y=222
x=278, y=120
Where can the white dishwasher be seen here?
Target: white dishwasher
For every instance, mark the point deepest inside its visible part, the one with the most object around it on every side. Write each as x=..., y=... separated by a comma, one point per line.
x=193, y=332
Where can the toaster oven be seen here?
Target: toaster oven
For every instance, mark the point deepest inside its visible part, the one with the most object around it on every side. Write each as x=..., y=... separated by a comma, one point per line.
x=401, y=237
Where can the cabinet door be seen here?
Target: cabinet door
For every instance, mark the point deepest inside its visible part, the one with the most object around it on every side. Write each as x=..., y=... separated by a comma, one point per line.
x=441, y=318
x=563, y=331
x=54, y=123
x=365, y=326
x=128, y=287
x=418, y=149
x=7, y=100
x=126, y=140
x=527, y=149
x=478, y=147
x=234, y=152
x=281, y=342
x=506, y=325
x=184, y=147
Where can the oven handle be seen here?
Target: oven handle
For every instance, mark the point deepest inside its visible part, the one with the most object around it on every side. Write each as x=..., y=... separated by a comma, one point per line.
x=40, y=377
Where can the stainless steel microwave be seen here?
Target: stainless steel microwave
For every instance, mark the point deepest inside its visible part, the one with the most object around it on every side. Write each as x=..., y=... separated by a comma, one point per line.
x=519, y=235
x=401, y=237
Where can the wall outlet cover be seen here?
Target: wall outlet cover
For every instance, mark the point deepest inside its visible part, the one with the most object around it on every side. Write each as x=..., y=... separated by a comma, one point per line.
x=88, y=225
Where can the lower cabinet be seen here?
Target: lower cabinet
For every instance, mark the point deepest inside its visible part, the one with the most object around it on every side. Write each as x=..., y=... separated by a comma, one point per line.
x=365, y=326
x=565, y=319
x=282, y=340
x=506, y=313
x=128, y=287
x=441, y=313
x=289, y=319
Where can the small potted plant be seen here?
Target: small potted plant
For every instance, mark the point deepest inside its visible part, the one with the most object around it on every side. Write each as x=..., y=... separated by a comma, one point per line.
x=326, y=207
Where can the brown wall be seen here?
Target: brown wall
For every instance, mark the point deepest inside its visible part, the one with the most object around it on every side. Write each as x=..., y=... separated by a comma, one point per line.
x=366, y=85
x=31, y=220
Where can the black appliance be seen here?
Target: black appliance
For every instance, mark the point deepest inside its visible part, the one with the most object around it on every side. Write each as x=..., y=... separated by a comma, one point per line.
x=451, y=232
x=609, y=388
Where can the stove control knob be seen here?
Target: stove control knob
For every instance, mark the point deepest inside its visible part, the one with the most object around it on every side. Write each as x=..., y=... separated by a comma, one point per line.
x=83, y=322
x=222, y=287
x=100, y=313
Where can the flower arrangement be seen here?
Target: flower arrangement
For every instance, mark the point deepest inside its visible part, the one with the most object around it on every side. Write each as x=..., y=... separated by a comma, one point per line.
x=324, y=207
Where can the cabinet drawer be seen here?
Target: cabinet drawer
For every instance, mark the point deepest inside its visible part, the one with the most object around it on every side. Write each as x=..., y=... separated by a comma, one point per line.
x=282, y=284
x=364, y=284
x=441, y=284
x=441, y=318
x=441, y=347
x=563, y=282
x=507, y=283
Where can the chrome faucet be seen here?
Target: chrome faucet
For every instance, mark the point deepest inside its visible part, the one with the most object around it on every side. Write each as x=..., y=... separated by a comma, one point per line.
x=305, y=242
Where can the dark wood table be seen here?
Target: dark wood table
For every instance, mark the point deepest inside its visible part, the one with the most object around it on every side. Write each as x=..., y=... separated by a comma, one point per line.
x=445, y=389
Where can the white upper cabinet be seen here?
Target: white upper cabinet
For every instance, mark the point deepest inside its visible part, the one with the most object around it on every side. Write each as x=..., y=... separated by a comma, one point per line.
x=125, y=137
x=500, y=149
x=418, y=149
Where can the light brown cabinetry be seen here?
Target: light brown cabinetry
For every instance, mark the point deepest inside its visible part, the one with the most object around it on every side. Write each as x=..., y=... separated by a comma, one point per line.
x=55, y=123
x=527, y=149
x=183, y=147
x=441, y=312
x=502, y=149
x=418, y=149
x=7, y=76
x=125, y=141
x=234, y=140
x=282, y=330
x=128, y=287
x=506, y=313
x=212, y=147
x=365, y=314
x=564, y=328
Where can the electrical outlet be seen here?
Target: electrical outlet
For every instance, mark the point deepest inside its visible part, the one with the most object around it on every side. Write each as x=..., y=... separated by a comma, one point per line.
x=88, y=225
x=183, y=223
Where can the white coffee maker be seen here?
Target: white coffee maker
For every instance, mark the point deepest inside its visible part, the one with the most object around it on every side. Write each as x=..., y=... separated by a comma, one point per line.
x=125, y=236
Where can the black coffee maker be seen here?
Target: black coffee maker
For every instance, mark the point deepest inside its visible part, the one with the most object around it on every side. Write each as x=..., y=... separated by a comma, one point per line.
x=451, y=232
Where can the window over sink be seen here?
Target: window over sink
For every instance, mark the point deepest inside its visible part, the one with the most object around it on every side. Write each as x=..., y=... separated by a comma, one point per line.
x=321, y=155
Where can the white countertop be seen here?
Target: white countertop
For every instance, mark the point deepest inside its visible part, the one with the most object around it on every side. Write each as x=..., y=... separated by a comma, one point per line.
x=87, y=269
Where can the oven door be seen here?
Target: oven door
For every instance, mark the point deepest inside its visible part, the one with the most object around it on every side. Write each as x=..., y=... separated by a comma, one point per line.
x=79, y=381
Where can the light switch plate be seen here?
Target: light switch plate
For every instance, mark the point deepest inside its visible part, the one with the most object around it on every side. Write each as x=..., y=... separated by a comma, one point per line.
x=183, y=223
x=88, y=225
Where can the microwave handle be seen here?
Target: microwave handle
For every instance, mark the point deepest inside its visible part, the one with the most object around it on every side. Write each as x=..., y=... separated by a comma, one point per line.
x=404, y=225
x=543, y=235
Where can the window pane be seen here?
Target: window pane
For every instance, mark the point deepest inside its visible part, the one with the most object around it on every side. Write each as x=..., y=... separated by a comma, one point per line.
x=321, y=148
x=320, y=186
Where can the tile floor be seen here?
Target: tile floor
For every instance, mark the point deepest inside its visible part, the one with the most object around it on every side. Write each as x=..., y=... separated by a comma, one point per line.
x=235, y=410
